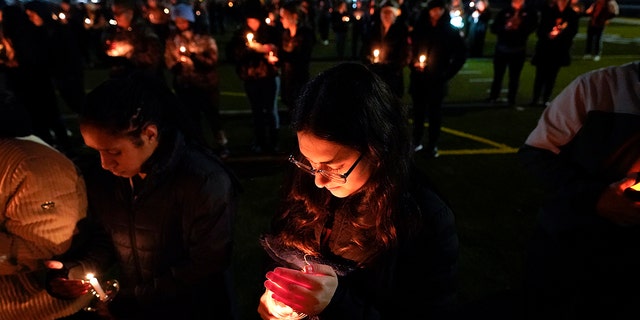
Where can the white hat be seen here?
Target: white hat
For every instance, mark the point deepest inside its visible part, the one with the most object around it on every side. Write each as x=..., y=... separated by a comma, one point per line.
x=183, y=10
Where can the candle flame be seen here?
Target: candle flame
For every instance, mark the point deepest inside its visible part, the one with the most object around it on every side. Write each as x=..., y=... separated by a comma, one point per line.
x=423, y=58
x=636, y=186
x=96, y=286
x=376, y=53
x=250, y=37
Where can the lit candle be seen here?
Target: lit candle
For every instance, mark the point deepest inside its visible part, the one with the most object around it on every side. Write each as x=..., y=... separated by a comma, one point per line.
x=376, y=55
x=272, y=58
x=281, y=310
x=250, y=37
x=423, y=60
x=96, y=286
x=183, y=49
x=87, y=21
x=636, y=187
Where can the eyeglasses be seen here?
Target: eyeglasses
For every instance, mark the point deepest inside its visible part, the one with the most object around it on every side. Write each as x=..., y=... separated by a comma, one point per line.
x=335, y=177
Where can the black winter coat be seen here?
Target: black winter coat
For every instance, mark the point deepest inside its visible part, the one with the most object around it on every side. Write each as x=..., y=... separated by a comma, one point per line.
x=172, y=233
x=425, y=259
x=443, y=46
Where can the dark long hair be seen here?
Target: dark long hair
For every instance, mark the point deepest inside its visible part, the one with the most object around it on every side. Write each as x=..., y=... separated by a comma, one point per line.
x=124, y=106
x=349, y=105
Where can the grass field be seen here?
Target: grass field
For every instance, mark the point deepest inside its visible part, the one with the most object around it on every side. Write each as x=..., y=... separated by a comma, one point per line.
x=494, y=200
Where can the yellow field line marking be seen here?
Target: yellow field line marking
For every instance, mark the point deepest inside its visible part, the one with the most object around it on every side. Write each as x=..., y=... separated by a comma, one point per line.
x=500, y=148
x=233, y=94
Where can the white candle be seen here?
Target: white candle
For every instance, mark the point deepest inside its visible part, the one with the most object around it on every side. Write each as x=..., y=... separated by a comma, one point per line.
x=376, y=56
x=96, y=286
x=250, y=37
x=423, y=59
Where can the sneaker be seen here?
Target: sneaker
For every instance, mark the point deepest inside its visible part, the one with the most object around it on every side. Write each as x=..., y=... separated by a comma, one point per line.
x=596, y=58
x=587, y=57
x=434, y=152
x=418, y=148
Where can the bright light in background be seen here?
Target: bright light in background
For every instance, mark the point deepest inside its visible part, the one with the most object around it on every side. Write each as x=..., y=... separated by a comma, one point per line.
x=457, y=22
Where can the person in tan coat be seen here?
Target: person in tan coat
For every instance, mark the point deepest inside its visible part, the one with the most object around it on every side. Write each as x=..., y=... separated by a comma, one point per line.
x=42, y=197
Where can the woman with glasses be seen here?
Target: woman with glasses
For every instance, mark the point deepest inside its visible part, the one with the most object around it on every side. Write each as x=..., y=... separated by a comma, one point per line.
x=359, y=225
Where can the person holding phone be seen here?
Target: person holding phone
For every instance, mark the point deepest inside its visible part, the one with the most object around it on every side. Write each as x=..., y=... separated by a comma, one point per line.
x=583, y=260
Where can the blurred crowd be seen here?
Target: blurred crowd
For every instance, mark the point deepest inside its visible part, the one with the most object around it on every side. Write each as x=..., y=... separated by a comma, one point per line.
x=47, y=46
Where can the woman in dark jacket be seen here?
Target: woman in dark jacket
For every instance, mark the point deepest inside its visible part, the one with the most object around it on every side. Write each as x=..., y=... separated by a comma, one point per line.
x=444, y=53
x=390, y=37
x=294, y=52
x=558, y=26
x=192, y=58
x=131, y=44
x=168, y=204
x=359, y=225
x=253, y=49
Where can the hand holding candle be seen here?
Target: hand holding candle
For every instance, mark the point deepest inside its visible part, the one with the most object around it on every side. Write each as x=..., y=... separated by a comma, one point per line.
x=251, y=43
x=633, y=192
x=308, y=291
x=422, y=61
x=119, y=49
x=183, y=54
x=271, y=57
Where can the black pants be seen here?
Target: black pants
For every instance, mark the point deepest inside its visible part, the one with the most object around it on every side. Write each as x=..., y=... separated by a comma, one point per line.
x=262, y=94
x=593, y=44
x=427, y=97
x=544, y=81
x=201, y=101
x=501, y=61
